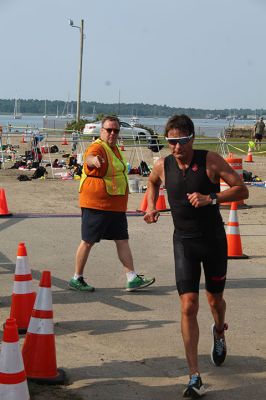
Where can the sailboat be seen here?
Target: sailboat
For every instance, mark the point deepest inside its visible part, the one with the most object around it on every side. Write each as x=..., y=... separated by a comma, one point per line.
x=94, y=112
x=65, y=113
x=17, y=113
x=45, y=114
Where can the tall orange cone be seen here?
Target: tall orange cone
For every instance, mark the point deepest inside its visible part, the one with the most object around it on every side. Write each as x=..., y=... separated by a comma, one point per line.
x=13, y=382
x=161, y=203
x=249, y=156
x=143, y=204
x=38, y=350
x=64, y=140
x=3, y=205
x=23, y=296
x=234, y=245
x=23, y=139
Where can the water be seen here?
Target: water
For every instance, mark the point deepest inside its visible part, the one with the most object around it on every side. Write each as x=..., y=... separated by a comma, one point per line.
x=33, y=121
x=205, y=127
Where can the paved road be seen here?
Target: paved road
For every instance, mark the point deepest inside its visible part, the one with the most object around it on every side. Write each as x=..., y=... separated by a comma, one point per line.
x=117, y=345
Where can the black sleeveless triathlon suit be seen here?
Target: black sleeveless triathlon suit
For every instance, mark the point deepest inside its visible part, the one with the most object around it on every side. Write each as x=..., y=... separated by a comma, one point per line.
x=199, y=235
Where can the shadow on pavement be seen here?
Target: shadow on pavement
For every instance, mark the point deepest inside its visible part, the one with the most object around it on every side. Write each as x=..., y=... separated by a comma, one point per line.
x=101, y=327
x=119, y=380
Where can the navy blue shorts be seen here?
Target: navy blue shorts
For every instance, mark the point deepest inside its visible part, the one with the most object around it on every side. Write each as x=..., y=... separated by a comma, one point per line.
x=99, y=224
x=190, y=253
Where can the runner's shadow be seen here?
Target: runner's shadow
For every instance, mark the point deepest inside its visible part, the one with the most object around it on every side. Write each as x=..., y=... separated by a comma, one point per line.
x=235, y=368
x=112, y=389
x=119, y=377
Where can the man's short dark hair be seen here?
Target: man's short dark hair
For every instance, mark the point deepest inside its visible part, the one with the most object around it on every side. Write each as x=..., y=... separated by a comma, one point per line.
x=111, y=118
x=181, y=122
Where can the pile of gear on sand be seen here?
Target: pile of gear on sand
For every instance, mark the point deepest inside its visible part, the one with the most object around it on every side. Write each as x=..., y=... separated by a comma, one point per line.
x=69, y=166
x=33, y=159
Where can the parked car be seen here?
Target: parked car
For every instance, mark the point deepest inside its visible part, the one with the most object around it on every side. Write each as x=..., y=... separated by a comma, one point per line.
x=127, y=131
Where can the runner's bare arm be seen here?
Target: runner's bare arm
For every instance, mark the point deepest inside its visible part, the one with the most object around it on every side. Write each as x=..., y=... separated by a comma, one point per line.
x=155, y=180
x=217, y=168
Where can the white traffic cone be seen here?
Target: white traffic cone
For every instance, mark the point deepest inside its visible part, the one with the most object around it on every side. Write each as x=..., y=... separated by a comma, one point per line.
x=13, y=382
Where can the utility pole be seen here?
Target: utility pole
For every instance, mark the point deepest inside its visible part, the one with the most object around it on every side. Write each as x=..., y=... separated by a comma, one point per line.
x=81, y=29
x=118, y=103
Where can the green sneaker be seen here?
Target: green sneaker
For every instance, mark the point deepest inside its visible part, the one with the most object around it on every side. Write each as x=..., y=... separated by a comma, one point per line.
x=80, y=285
x=139, y=282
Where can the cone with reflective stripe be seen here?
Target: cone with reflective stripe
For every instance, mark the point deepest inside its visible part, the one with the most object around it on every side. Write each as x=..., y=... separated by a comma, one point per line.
x=237, y=165
x=143, y=204
x=161, y=203
x=249, y=157
x=3, y=205
x=64, y=140
x=38, y=350
x=13, y=382
x=23, y=296
x=234, y=245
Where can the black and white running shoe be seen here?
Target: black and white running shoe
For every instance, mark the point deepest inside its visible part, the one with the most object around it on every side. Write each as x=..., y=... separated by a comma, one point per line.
x=218, y=351
x=195, y=388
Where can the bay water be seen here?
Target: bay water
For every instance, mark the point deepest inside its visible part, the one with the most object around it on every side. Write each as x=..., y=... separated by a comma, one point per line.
x=203, y=127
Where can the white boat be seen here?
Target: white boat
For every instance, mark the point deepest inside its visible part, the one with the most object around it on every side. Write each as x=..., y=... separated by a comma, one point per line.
x=134, y=121
x=17, y=113
x=67, y=116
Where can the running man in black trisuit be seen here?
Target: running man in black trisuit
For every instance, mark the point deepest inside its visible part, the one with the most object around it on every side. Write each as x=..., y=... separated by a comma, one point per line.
x=192, y=180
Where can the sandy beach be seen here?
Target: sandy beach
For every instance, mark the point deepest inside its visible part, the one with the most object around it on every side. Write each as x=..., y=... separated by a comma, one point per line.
x=116, y=345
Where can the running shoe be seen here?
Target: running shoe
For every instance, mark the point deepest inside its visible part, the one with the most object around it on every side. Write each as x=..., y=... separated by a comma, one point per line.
x=139, y=282
x=195, y=388
x=80, y=285
x=218, y=351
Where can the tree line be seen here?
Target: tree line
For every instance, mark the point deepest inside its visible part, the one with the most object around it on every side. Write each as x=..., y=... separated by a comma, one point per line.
x=88, y=108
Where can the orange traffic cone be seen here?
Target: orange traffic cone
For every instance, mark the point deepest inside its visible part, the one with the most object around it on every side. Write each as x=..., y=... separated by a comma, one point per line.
x=249, y=156
x=23, y=296
x=234, y=246
x=64, y=140
x=13, y=382
x=144, y=203
x=23, y=139
x=3, y=205
x=38, y=351
x=161, y=203
x=237, y=165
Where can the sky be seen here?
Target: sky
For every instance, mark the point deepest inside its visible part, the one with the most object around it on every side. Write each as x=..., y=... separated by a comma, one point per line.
x=180, y=53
